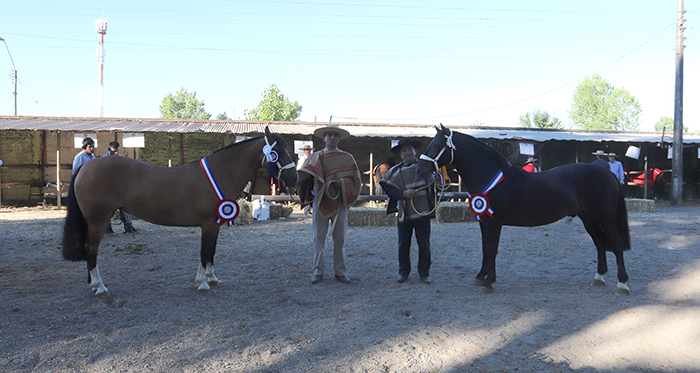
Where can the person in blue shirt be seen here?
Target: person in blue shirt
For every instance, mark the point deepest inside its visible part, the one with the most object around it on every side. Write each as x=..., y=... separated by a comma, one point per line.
x=600, y=159
x=123, y=216
x=85, y=155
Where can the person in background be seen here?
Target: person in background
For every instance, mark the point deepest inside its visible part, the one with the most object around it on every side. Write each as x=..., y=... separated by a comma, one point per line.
x=303, y=157
x=600, y=159
x=616, y=168
x=330, y=181
x=406, y=189
x=85, y=155
x=530, y=165
x=123, y=216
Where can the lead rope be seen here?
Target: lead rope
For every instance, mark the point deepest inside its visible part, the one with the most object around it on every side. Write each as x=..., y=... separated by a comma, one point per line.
x=442, y=187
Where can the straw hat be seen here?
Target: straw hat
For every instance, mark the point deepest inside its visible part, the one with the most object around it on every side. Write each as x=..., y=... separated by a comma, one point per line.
x=599, y=153
x=321, y=131
x=406, y=141
x=530, y=160
x=612, y=155
x=306, y=147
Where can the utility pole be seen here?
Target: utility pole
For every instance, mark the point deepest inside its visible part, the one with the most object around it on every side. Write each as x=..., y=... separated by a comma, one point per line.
x=677, y=166
x=101, y=26
x=14, y=76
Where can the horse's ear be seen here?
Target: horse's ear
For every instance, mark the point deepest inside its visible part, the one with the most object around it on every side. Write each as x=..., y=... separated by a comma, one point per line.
x=437, y=129
x=267, y=131
x=444, y=129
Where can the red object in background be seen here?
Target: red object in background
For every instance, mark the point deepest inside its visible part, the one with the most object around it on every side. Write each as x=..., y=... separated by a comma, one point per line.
x=653, y=172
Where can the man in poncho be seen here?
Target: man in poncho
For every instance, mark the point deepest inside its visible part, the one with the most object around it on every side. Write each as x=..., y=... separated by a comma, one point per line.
x=409, y=195
x=330, y=181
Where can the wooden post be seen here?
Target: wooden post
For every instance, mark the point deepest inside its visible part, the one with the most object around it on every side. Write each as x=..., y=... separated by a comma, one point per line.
x=371, y=181
x=677, y=165
x=170, y=150
x=58, y=169
x=0, y=178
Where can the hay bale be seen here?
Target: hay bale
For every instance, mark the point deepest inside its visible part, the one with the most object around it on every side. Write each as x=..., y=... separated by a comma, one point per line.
x=370, y=217
x=279, y=211
x=246, y=214
x=638, y=204
x=454, y=212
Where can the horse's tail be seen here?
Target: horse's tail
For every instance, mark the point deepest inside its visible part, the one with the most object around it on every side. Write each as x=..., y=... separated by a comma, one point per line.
x=75, y=227
x=622, y=222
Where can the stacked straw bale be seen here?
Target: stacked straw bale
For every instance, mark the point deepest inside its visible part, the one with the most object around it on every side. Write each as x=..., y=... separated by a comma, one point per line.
x=279, y=211
x=454, y=212
x=370, y=217
x=638, y=204
x=246, y=214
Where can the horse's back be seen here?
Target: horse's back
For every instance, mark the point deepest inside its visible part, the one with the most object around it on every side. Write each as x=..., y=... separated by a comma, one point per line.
x=545, y=197
x=154, y=193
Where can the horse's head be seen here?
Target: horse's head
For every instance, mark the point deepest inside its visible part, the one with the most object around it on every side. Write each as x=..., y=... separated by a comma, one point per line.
x=439, y=152
x=286, y=167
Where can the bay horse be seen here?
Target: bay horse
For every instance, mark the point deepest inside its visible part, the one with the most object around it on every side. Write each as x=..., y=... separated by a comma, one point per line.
x=199, y=193
x=377, y=174
x=502, y=194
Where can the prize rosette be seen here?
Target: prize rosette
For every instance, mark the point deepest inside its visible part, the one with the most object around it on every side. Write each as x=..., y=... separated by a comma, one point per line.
x=479, y=204
x=227, y=210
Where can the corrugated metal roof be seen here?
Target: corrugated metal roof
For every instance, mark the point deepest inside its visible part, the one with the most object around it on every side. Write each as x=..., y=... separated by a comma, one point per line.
x=307, y=128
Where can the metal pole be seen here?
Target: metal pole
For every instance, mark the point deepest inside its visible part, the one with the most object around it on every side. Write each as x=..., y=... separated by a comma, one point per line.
x=371, y=180
x=14, y=76
x=677, y=183
x=58, y=169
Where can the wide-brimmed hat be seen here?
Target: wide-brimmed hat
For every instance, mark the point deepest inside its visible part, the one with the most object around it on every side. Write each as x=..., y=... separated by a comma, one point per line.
x=612, y=155
x=599, y=153
x=306, y=147
x=406, y=141
x=530, y=160
x=321, y=131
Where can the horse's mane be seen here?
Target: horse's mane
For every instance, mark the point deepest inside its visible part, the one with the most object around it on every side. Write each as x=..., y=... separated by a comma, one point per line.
x=240, y=143
x=491, y=151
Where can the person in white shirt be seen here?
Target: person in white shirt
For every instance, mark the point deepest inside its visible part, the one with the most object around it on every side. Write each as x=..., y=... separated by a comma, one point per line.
x=303, y=157
x=616, y=168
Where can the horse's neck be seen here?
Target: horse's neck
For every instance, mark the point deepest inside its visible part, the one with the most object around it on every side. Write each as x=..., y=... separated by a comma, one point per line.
x=475, y=163
x=235, y=167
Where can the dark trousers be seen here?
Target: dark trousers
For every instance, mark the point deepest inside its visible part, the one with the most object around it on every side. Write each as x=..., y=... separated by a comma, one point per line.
x=422, y=229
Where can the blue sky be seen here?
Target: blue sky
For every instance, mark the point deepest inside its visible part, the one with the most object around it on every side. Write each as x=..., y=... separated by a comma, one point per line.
x=451, y=62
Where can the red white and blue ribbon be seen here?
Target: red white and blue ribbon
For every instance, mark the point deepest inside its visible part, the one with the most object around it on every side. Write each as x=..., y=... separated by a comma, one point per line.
x=227, y=209
x=479, y=203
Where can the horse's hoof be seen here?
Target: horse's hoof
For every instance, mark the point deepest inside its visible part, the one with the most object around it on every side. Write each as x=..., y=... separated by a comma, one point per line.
x=598, y=283
x=203, y=286
x=213, y=281
x=478, y=282
x=622, y=289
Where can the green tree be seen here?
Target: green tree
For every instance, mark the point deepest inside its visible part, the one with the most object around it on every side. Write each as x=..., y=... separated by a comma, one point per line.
x=539, y=119
x=600, y=106
x=667, y=123
x=223, y=116
x=183, y=105
x=274, y=106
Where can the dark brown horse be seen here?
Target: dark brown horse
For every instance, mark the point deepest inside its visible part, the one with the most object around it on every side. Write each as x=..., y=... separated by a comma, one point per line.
x=505, y=195
x=179, y=196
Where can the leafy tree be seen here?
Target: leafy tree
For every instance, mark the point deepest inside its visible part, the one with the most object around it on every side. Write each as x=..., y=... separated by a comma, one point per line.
x=183, y=105
x=667, y=123
x=274, y=106
x=223, y=116
x=600, y=106
x=539, y=119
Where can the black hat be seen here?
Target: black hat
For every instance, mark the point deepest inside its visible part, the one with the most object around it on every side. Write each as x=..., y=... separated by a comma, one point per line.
x=406, y=141
x=88, y=141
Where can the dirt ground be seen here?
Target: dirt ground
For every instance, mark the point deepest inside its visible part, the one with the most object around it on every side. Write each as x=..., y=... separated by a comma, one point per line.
x=266, y=316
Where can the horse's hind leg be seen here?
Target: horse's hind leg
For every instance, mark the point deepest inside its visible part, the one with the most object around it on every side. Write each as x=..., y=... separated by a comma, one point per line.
x=599, y=240
x=93, y=245
x=205, y=274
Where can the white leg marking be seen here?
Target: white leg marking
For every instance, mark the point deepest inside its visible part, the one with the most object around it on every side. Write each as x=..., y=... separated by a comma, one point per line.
x=599, y=277
x=623, y=287
x=201, y=279
x=211, y=276
x=96, y=282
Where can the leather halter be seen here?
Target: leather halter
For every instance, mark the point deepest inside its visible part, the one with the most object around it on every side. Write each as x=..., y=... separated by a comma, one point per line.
x=272, y=156
x=448, y=144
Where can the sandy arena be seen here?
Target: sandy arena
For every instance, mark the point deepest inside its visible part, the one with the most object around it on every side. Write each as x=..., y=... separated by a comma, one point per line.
x=265, y=315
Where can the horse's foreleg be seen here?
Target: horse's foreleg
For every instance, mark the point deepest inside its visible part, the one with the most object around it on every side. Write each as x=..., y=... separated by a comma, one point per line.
x=205, y=274
x=490, y=237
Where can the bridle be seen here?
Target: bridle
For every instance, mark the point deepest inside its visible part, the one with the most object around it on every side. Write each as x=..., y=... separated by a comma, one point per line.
x=448, y=144
x=271, y=156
